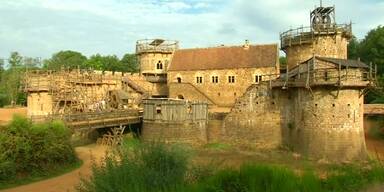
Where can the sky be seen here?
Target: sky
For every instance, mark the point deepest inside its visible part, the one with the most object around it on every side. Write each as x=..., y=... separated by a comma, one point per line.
x=39, y=28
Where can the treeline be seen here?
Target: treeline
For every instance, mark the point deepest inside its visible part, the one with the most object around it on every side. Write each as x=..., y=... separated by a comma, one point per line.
x=12, y=75
x=73, y=60
x=370, y=49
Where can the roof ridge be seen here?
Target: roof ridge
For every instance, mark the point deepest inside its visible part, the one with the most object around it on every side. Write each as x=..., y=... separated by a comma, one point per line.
x=231, y=46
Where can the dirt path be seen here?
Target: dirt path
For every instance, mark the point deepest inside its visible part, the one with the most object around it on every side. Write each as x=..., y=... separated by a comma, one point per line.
x=66, y=182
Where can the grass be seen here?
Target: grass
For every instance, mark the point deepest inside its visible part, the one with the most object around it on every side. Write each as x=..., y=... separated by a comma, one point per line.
x=159, y=167
x=217, y=146
x=41, y=176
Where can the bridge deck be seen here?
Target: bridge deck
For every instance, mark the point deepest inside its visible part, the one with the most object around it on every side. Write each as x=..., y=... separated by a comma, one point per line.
x=374, y=109
x=95, y=120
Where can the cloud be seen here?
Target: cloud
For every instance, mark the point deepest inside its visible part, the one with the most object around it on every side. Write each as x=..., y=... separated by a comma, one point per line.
x=42, y=27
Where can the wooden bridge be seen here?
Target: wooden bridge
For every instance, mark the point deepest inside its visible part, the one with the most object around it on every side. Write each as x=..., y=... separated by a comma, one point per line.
x=374, y=109
x=95, y=120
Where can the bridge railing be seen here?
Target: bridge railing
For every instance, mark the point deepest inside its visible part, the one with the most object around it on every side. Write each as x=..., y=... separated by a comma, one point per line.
x=67, y=118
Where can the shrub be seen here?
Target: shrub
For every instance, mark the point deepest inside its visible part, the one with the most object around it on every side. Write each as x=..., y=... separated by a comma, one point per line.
x=149, y=167
x=28, y=148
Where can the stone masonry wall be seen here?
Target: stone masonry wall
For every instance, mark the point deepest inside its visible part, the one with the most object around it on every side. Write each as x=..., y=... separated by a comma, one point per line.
x=39, y=103
x=255, y=120
x=326, y=126
x=193, y=133
x=148, y=62
x=326, y=46
x=222, y=93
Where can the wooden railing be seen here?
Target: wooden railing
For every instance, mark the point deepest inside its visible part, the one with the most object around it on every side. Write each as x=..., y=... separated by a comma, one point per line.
x=93, y=119
x=304, y=35
x=168, y=46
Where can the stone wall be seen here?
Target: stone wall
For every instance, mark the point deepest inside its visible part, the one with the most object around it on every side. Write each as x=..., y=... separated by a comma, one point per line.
x=193, y=133
x=148, y=62
x=39, y=103
x=255, y=120
x=325, y=46
x=221, y=93
x=327, y=124
x=321, y=123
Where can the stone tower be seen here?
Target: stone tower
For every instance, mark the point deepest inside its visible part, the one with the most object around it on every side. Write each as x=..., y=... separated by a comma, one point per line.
x=323, y=37
x=154, y=56
x=316, y=108
x=325, y=89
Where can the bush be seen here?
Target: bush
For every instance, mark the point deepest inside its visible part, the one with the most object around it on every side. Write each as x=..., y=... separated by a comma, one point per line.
x=27, y=148
x=149, y=167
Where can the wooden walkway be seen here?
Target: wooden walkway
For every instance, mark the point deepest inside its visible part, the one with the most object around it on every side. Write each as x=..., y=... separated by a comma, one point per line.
x=374, y=109
x=95, y=120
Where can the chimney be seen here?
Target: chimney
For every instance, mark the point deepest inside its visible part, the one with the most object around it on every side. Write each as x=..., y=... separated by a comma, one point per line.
x=246, y=45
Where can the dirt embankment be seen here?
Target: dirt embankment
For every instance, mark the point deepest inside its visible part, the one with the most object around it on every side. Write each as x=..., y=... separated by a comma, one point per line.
x=6, y=114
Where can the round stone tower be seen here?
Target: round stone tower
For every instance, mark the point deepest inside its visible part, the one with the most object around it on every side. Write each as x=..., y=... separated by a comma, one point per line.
x=154, y=56
x=326, y=90
x=323, y=37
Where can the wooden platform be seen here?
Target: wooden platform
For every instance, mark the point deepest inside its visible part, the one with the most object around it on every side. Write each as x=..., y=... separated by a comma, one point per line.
x=374, y=109
x=95, y=120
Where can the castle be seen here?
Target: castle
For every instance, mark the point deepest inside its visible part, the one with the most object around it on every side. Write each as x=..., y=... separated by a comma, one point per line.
x=315, y=107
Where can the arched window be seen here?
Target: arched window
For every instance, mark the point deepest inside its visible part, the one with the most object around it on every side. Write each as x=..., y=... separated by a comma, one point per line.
x=159, y=65
x=178, y=79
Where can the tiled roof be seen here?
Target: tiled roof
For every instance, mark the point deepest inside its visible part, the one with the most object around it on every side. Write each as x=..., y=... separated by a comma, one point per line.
x=225, y=58
x=344, y=62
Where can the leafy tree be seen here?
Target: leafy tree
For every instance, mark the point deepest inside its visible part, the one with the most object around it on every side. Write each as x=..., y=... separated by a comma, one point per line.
x=15, y=60
x=371, y=48
x=283, y=62
x=67, y=59
x=95, y=62
x=104, y=63
x=353, y=47
x=129, y=62
x=112, y=63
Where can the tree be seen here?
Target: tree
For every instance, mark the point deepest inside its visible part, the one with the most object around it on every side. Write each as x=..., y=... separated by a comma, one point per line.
x=283, y=62
x=105, y=63
x=112, y=63
x=129, y=62
x=95, y=62
x=67, y=59
x=353, y=47
x=371, y=48
x=15, y=60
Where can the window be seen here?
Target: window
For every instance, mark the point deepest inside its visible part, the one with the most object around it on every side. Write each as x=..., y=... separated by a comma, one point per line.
x=159, y=65
x=199, y=80
x=231, y=79
x=179, y=79
x=326, y=76
x=258, y=78
x=215, y=79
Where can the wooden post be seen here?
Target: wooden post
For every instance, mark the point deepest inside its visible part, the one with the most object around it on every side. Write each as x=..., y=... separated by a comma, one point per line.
x=307, y=83
x=298, y=71
x=339, y=74
x=370, y=70
x=346, y=73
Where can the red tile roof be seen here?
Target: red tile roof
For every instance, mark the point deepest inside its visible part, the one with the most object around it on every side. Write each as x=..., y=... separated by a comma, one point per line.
x=225, y=58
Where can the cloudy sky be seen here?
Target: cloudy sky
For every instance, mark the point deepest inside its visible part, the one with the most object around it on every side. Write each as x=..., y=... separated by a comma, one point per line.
x=39, y=28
